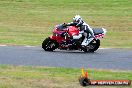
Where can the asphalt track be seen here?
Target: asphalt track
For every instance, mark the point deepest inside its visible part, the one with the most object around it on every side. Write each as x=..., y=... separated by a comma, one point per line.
x=119, y=59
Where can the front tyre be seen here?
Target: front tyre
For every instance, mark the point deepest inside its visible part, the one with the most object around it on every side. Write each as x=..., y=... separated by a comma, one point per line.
x=49, y=45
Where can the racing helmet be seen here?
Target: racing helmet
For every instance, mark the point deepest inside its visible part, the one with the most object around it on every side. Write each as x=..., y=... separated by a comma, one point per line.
x=77, y=19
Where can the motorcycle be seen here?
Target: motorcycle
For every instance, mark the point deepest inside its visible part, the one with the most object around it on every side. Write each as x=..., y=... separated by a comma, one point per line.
x=61, y=39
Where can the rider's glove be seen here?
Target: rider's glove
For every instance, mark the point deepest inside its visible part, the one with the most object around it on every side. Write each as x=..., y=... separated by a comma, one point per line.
x=64, y=24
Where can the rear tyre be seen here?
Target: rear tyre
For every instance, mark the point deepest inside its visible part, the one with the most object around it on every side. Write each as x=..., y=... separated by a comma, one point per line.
x=49, y=45
x=94, y=45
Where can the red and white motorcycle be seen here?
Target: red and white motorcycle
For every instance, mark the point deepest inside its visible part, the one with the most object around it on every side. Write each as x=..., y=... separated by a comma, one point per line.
x=61, y=39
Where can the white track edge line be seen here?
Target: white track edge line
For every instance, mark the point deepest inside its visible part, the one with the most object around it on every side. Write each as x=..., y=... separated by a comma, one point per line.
x=3, y=45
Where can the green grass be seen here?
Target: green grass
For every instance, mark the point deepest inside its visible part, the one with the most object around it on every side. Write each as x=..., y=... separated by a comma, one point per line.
x=45, y=77
x=28, y=22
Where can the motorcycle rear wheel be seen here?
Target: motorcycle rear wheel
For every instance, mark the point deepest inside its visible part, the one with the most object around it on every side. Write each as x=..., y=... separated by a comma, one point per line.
x=94, y=45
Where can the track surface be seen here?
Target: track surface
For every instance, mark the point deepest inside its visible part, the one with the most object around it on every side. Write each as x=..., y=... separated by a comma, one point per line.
x=120, y=59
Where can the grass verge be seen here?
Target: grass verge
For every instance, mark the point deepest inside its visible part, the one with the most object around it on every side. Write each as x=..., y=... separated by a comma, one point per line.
x=45, y=77
x=28, y=22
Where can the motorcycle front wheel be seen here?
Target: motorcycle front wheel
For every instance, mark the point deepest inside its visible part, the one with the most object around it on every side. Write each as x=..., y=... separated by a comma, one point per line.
x=49, y=45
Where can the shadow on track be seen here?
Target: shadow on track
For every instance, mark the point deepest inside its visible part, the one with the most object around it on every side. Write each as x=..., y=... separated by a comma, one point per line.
x=70, y=52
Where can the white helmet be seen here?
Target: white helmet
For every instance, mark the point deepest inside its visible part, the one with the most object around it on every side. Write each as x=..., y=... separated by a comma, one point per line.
x=77, y=18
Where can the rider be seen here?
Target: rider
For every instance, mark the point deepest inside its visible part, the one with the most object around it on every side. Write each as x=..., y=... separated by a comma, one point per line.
x=84, y=29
